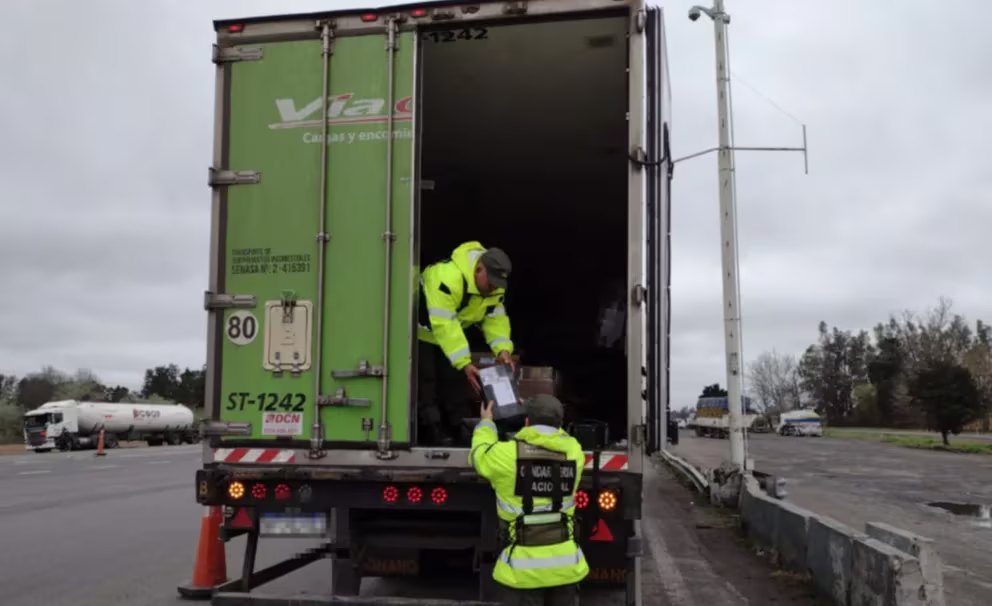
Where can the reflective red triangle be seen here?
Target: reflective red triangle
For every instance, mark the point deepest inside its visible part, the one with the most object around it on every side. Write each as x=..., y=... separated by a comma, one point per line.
x=241, y=519
x=601, y=532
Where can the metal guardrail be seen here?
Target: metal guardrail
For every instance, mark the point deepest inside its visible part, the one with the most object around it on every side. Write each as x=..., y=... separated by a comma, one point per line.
x=696, y=476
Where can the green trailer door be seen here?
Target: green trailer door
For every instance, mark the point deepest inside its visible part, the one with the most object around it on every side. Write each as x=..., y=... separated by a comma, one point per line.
x=297, y=346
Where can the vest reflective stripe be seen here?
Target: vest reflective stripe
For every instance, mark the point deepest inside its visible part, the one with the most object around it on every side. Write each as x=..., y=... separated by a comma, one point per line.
x=566, y=504
x=458, y=354
x=499, y=341
x=499, y=311
x=538, y=563
x=441, y=313
x=541, y=518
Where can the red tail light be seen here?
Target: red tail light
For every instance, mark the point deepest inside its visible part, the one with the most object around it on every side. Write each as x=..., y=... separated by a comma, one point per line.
x=390, y=494
x=236, y=28
x=282, y=492
x=418, y=13
x=582, y=499
x=369, y=17
x=439, y=496
x=258, y=492
x=414, y=494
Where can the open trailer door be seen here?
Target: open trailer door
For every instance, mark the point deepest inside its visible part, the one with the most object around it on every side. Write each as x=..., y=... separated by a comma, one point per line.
x=310, y=292
x=658, y=189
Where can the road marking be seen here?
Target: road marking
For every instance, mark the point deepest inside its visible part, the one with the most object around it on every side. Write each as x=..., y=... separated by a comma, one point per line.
x=31, y=473
x=104, y=466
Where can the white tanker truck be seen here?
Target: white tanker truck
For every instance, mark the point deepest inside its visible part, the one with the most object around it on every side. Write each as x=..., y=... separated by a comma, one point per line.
x=73, y=425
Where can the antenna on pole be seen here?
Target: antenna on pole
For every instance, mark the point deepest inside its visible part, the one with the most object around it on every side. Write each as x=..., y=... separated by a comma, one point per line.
x=728, y=227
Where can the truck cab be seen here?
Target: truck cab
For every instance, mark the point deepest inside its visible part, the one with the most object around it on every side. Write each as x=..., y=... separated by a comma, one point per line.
x=46, y=424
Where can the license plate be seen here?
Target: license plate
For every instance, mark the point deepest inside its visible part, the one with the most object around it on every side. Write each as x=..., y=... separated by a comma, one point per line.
x=293, y=524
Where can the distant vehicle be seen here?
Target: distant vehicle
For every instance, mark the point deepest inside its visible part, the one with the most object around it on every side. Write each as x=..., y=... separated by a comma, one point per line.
x=683, y=424
x=712, y=418
x=803, y=422
x=72, y=425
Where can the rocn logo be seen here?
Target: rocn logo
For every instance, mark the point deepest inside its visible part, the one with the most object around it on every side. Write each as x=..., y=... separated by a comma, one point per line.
x=341, y=109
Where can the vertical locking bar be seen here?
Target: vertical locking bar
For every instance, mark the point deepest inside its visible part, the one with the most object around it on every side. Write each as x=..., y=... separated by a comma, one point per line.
x=316, y=429
x=388, y=237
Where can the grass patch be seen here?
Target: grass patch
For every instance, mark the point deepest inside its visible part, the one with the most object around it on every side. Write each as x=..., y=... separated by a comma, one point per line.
x=936, y=444
x=919, y=442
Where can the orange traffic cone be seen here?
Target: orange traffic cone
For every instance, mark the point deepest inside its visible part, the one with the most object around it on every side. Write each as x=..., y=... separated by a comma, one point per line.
x=210, y=568
x=99, y=446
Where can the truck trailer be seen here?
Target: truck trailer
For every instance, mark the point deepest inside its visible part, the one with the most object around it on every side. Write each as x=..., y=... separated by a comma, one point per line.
x=712, y=417
x=353, y=148
x=73, y=425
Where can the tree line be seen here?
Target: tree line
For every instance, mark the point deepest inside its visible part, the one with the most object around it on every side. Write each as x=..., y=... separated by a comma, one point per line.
x=929, y=371
x=165, y=384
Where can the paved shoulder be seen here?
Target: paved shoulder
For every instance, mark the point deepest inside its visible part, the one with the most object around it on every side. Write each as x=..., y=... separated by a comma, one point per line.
x=695, y=555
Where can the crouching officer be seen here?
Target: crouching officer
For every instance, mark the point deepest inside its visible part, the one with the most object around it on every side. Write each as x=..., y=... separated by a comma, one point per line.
x=535, y=477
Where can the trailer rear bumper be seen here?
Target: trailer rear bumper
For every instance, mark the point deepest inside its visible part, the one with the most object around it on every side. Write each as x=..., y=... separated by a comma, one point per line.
x=245, y=599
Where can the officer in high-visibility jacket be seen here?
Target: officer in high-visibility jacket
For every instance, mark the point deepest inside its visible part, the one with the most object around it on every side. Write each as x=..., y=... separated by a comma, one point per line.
x=464, y=290
x=535, y=476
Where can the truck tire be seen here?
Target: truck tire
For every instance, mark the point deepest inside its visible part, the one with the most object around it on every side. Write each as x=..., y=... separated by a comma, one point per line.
x=154, y=441
x=173, y=439
x=345, y=578
x=42, y=450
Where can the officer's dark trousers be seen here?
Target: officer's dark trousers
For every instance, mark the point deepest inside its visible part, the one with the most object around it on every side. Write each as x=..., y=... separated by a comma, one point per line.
x=443, y=397
x=565, y=595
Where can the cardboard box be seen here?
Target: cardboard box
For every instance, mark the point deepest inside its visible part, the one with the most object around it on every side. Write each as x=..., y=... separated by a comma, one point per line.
x=534, y=380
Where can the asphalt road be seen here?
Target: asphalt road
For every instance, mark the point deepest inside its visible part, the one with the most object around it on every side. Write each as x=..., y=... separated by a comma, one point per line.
x=859, y=481
x=80, y=530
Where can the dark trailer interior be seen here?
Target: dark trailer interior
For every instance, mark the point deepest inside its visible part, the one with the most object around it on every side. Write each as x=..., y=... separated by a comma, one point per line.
x=524, y=139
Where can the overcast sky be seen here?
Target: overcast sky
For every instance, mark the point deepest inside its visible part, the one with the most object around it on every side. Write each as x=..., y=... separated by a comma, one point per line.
x=106, y=136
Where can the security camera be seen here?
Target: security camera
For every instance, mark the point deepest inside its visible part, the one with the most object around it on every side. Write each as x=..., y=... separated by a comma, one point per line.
x=694, y=13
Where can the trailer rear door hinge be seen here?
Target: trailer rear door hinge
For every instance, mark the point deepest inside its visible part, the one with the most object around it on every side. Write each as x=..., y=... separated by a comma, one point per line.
x=223, y=428
x=220, y=177
x=364, y=370
x=340, y=398
x=515, y=8
x=639, y=295
x=214, y=300
x=639, y=435
x=231, y=54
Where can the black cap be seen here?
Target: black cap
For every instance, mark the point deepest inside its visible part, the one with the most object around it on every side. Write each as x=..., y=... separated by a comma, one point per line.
x=498, y=266
x=546, y=408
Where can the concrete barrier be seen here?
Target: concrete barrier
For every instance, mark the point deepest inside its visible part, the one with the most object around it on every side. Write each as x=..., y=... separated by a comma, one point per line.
x=829, y=548
x=921, y=548
x=885, y=566
x=881, y=575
